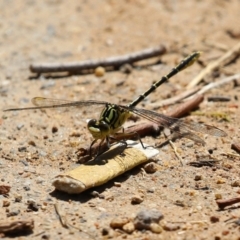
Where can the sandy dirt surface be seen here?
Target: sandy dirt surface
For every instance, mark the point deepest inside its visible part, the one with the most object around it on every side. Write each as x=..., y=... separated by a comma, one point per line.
x=35, y=146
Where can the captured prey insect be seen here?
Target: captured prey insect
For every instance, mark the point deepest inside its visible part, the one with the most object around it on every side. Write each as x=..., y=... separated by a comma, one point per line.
x=113, y=116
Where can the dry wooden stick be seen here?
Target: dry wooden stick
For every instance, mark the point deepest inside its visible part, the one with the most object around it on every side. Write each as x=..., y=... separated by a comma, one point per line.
x=227, y=202
x=226, y=58
x=186, y=107
x=116, y=61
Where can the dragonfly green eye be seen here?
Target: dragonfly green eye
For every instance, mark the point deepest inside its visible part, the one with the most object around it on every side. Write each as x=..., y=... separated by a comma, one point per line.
x=99, y=129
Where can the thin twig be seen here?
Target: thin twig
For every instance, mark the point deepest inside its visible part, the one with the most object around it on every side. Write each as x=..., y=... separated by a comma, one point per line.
x=175, y=99
x=62, y=218
x=227, y=202
x=219, y=83
x=116, y=61
x=225, y=59
x=230, y=155
x=217, y=45
x=65, y=223
x=175, y=151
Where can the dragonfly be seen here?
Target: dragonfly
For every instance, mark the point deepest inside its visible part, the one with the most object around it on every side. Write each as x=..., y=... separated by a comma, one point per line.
x=113, y=116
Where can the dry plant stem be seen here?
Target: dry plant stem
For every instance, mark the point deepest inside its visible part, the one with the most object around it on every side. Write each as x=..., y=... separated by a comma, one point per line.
x=218, y=83
x=228, y=202
x=61, y=217
x=236, y=147
x=63, y=220
x=116, y=61
x=176, y=153
x=176, y=99
x=150, y=128
x=225, y=59
x=219, y=46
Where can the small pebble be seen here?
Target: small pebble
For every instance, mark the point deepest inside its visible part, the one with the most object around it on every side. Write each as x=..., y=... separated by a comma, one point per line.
x=22, y=149
x=220, y=181
x=95, y=194
x=170, y=227
x=137, y=199
x=214, y=219
x=218, y=196
x=151, y=190
x=117, y=184
x=129, y=227
x=99, y=71
x=119, y=222
x=39, y=180
x=32, y=143
x=32, y=205
x=4, y=189
x=105, y=231
x=26, y=188
x=6, y=203
x=235, y=183
x=145, y=217
x=43, y=208
x=156, y=228
x=18, y=198
x=54, y=129
x=20, y=126
x=13, y=213
x=150, y=167
x=198, y=177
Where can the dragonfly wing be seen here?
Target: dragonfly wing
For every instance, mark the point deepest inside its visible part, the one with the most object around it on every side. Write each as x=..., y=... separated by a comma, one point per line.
x=82, y=109
x=176, y=124
x=42, y=102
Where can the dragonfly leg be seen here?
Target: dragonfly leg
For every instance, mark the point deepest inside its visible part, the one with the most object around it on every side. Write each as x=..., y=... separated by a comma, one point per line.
x=90, y=149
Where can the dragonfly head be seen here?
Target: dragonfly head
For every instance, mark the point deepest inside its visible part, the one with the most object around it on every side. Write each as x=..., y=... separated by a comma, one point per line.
x=98, y=129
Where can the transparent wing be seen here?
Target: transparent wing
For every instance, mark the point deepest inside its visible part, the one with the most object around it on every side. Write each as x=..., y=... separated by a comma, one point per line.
x=180, y=127
x=81, y=110
x=42, y=103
